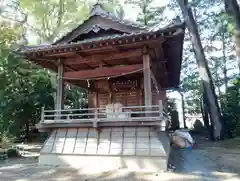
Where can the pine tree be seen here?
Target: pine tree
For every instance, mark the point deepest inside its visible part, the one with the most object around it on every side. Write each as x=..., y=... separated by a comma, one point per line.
x=204, y=71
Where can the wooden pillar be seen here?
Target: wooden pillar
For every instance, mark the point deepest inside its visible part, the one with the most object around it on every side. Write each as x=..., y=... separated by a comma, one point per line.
x=147, y=81
x=60, y=86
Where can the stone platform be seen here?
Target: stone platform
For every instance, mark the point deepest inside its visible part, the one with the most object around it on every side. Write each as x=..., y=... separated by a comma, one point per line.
x=135, y=148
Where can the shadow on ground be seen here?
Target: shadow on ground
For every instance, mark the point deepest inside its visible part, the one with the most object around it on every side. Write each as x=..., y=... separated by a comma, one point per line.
x=203, y=163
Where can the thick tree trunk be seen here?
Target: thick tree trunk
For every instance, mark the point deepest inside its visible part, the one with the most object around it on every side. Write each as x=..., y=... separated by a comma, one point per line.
x=204, y=110
x=204, y=72
x=232, y=8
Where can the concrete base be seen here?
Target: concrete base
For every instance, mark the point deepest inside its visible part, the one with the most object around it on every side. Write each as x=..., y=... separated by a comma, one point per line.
x=134, y=148
x=96, y=164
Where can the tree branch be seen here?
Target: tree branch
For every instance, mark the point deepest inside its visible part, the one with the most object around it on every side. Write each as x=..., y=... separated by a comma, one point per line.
x=59, y=20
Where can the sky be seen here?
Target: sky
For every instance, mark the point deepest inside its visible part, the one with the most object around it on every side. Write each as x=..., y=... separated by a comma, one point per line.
x=131, y=11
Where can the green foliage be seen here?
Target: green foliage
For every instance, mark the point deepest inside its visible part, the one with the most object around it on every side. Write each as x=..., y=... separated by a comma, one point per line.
x=75, y=97
x=171, y=105
x=225, y=17
x=215, y=28
x=24, y=90
x=49, y=19
x=6, y=141
x=232, y=107
x=149, y=13
x=12, y=152
x=190, y=85
x=115, y=7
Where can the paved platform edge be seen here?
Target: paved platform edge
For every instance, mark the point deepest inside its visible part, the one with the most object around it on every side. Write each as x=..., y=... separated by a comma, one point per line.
x=105, y=163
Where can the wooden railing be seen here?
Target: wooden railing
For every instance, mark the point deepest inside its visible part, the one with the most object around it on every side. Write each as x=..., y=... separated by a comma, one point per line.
x=95, y=115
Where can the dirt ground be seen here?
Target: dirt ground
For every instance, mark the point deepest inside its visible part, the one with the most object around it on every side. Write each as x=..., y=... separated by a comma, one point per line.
x=209, y=161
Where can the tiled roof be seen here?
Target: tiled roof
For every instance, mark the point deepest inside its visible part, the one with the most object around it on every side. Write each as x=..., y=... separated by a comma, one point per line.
x=98, y=39
x=99, y=11
x=92, y=40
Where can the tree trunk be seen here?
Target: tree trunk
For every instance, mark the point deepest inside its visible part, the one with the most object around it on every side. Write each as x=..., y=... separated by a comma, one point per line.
x=204, y=72
x=225, y=78
x=27, y=132
x=219, y=94
x=204, y=113
x=232, y=8
x=145, y=14
x=204, y=110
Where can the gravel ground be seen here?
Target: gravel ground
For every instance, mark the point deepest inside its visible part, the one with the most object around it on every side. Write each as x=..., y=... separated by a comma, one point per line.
x=209, y=161
x=197, y=164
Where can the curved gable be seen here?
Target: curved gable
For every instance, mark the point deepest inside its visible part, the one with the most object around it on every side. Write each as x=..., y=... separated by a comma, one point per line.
x=100, y=20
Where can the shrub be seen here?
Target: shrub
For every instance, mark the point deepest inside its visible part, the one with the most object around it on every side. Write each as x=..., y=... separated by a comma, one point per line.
x=231, y=107
x=6, y=141
x=12, y=152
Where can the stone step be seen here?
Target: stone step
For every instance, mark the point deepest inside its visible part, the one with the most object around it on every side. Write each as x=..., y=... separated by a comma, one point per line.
x=29, y=147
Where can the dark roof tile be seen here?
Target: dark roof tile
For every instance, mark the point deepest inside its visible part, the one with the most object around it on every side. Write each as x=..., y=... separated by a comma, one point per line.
x=98, y=39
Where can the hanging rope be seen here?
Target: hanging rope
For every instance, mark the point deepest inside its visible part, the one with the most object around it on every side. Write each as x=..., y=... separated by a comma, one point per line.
x=106, y=77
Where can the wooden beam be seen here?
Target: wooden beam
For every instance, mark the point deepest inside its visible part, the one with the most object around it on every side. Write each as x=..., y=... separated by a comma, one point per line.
x=160, y=65
x=159, y=51
x=57, y=52
x=155, y=82
x=69, y=68
x=60, y=85
x=88, y=65
x=102, y=72
x=147, y=81
x=103, y=57
x=60, y=54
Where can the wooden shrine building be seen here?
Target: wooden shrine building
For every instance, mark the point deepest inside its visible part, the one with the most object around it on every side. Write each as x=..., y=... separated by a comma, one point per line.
x=126, y=69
